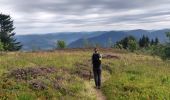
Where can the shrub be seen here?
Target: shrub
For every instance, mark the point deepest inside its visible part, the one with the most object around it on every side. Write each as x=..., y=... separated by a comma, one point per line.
x=1, y=46
x=163, y=50
x=128, y=43
x=61, y=44
x=132, y=45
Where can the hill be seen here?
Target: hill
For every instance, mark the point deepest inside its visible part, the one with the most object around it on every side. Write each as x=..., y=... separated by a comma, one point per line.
x=48, y=41
x=114, y=36
x=102, y=40
x=77, y=39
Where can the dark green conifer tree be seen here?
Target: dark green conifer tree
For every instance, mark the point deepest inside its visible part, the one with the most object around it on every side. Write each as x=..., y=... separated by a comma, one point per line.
x=156, y=41
x=7, y=34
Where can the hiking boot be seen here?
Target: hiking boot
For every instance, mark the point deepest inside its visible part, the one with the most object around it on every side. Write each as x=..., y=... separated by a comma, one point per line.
x=98, y=87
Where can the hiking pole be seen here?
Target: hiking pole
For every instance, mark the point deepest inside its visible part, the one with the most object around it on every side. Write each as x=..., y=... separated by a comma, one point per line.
x=90, y=75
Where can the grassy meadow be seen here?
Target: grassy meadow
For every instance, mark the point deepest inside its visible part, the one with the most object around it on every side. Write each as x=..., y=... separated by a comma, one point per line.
x=66, y=75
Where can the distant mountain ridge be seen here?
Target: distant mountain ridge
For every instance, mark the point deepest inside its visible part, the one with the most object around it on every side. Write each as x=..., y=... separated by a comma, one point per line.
x=114, y=36
x=101, y=40
x=77, y=39
x=48, y=41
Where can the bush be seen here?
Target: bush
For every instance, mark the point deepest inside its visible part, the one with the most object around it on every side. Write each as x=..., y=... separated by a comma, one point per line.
x=132, y=45
x=128, y=43
x=61, y=44
x=1, y=46
x=164, y=51
x=167, y=52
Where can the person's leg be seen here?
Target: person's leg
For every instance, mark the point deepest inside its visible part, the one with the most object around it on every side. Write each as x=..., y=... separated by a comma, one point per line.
x=99, y=77
x=95, y=77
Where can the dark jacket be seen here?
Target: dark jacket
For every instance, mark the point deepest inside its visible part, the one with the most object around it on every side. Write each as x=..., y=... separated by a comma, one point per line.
x=96, y=61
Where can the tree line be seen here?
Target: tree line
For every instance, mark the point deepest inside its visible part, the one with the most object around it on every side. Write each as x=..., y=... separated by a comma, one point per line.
x=144, y=44
x=152, y=46
x=130, y=43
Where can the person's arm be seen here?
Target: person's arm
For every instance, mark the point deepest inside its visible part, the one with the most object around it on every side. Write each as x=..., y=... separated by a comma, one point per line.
x=100, y=57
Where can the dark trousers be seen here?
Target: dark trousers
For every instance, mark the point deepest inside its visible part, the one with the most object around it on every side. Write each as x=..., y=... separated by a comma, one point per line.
x=97, y=77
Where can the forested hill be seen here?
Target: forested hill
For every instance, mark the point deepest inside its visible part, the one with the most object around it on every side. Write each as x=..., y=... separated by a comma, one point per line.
x=114, y=36
x=77, y=39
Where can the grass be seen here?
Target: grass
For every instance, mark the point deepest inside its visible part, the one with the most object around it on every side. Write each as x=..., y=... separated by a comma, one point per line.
x=139, y=77
x=132, y=76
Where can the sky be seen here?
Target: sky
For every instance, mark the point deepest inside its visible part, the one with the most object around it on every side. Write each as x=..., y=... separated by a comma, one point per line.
x=46, y=16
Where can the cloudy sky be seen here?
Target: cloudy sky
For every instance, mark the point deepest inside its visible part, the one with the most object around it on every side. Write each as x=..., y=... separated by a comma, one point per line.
x=45, y=16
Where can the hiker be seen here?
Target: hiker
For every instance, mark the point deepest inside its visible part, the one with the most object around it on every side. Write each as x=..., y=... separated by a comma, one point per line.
x=96, y=61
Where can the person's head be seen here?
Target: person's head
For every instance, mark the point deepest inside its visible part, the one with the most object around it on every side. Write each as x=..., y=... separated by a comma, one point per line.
x=95, y=50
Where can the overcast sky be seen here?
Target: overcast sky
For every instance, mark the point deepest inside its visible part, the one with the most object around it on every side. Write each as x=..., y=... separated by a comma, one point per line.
x=45, y=16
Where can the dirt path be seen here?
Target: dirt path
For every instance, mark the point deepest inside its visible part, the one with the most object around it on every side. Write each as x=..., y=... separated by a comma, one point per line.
x=97, y=92
x=99, y=95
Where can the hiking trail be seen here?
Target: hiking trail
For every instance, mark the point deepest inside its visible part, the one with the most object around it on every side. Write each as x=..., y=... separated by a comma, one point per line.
x=91, y=85
x=99, y=95
x=97, y=92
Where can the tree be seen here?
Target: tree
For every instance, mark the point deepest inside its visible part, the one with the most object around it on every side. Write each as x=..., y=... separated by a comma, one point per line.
x=144, y=42
x=61, y=44
x=163, y=50
x=118, y=45
x=147, y=42
x=132, y=45
x=167, y=48
x=156, y=41
x=7, y=34
x=128, y=43
x=167, y=52
x=168, y=35
x=152, y=42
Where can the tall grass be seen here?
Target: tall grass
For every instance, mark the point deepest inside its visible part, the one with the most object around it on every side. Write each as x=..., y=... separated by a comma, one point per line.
x=138, y=77
x=133, y=76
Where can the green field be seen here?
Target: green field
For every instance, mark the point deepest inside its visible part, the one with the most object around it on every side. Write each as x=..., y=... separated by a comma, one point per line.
x=65, y=75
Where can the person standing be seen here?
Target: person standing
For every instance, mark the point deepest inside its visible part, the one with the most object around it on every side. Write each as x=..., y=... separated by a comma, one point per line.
x=96, y=61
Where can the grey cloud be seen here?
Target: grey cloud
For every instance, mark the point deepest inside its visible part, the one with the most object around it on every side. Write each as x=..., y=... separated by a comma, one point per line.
x=82, y=6
x=37, y=14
